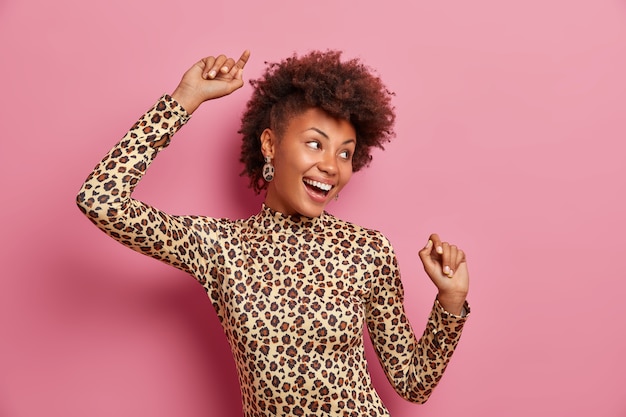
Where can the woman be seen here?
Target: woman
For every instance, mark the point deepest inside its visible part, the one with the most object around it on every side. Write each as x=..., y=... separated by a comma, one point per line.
x=292, y=285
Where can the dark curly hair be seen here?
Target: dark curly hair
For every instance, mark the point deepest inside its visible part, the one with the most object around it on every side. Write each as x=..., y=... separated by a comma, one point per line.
x=346, y=90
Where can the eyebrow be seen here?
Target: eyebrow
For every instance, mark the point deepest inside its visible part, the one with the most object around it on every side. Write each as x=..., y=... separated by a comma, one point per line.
x=321, y=132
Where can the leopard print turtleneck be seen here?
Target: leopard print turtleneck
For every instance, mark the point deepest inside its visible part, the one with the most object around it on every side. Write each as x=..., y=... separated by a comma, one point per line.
x=292, y=293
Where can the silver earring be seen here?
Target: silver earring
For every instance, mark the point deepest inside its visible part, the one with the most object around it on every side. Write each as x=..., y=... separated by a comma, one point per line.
x=336, y=196
x=268, y=169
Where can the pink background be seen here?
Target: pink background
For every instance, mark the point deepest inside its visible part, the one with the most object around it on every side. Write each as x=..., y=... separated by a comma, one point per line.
x=511, y=122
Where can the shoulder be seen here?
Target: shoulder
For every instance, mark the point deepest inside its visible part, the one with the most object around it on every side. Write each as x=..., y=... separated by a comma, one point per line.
x=344, y=230
x=221, y=226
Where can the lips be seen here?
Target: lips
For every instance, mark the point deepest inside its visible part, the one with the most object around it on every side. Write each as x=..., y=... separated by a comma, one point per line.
x=319, y=185
x=318, y=191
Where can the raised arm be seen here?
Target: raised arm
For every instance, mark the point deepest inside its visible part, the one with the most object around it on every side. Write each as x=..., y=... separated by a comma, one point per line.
x=105, y=197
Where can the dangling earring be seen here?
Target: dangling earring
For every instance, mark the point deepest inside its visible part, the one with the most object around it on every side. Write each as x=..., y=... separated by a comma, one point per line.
x=268, y=169
x=336, y=196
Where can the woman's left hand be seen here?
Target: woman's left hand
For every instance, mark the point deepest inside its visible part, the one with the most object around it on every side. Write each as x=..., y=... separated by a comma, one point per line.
x=446, y=266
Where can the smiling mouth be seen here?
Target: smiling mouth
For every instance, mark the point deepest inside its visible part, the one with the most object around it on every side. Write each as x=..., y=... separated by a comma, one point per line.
x=317, y=186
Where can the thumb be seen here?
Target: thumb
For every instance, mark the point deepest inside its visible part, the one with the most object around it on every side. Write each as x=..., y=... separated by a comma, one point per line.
x=424, y=254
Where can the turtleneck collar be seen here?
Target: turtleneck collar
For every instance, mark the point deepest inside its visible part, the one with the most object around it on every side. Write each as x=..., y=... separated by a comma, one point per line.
x=274, y=221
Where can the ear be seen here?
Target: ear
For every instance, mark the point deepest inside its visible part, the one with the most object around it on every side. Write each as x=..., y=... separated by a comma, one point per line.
x=268, y=143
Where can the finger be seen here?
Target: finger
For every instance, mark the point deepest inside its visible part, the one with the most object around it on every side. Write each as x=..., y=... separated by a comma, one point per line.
x=237, y=78
x=216, y=65
x=220, y=63
x=445, y=258
x=243, y=59
x=424, y=254
x=236, y=73
x=208, y=63
x=227, y=66
x=436, y=243
x=460, y=258
x=453, y=265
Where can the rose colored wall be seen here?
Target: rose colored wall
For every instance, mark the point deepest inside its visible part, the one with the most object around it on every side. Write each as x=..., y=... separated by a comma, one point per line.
x=511, y=132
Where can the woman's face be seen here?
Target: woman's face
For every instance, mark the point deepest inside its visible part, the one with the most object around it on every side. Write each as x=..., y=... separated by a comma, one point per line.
x=312, y=162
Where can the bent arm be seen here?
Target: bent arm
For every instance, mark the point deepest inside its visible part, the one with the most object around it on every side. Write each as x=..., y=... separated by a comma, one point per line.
x=105, y=197
x=413, y=366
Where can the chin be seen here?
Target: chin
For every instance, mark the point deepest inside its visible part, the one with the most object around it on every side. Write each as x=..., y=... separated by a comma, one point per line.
x=311, y=211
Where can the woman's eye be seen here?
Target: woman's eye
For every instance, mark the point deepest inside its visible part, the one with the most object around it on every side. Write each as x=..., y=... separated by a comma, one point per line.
x=345, y=154
x=313, y=144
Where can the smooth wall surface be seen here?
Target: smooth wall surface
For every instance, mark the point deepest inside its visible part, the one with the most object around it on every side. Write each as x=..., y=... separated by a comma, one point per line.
x=510, y=142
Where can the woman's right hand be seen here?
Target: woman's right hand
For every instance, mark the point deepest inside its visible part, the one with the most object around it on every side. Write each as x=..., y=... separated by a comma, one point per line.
x=210, y=78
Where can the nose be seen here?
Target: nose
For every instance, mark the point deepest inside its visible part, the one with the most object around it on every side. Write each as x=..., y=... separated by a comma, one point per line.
x=328, y=164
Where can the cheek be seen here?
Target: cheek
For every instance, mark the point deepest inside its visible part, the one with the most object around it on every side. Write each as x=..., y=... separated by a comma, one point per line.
x=288, y=170
x=346, y=174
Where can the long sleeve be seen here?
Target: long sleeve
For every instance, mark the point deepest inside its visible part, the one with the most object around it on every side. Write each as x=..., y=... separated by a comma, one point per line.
x=413, y=367
x=105, y=197
x=292, y=293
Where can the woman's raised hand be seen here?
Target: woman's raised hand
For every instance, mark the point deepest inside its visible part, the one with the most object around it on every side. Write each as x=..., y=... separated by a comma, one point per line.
x=446, y=266
x=210, y=78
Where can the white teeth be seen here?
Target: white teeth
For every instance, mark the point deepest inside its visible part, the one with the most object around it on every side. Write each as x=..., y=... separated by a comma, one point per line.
x=320, y=185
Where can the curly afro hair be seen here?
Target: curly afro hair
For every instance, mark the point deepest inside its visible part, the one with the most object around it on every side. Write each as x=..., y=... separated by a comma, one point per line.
x=347, y=90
